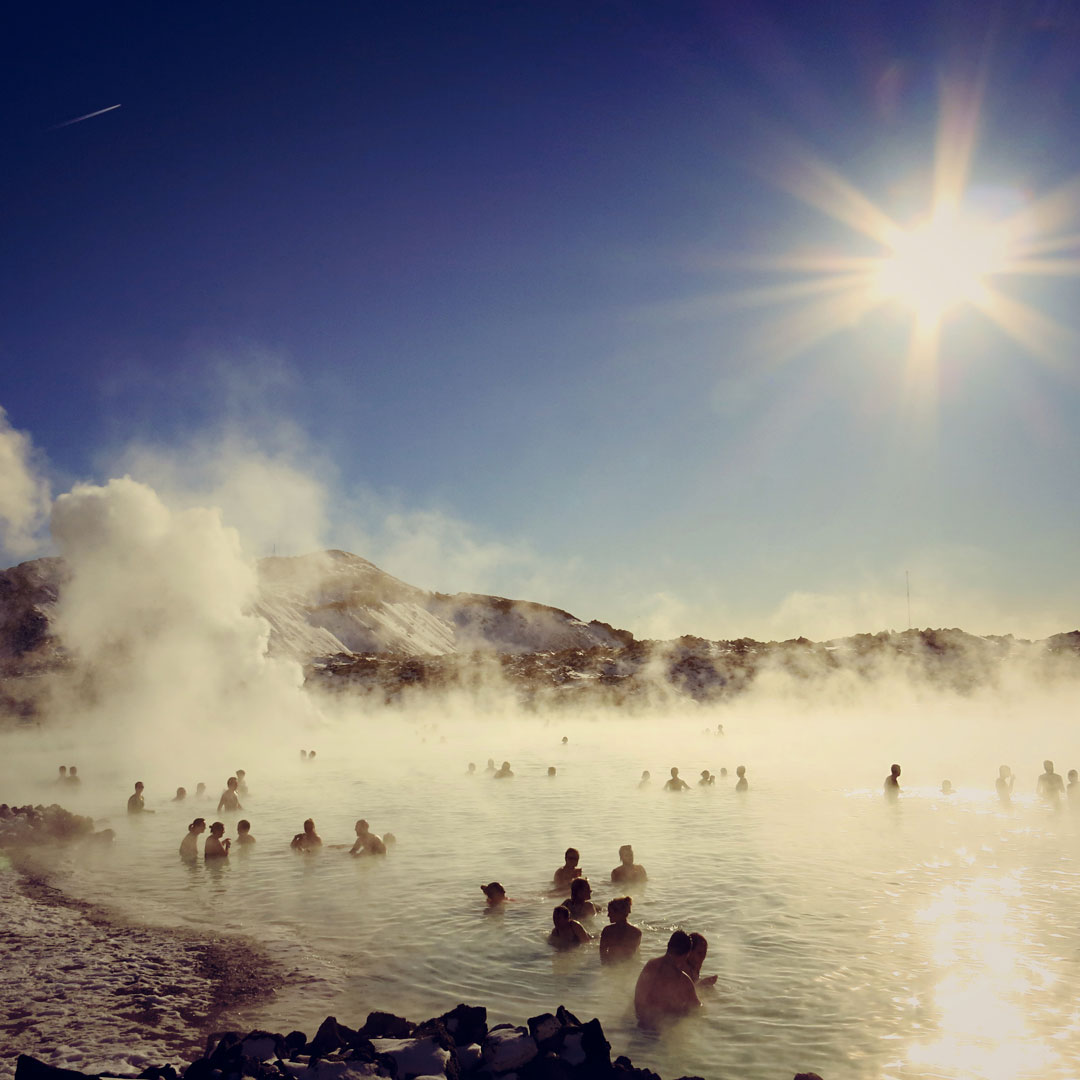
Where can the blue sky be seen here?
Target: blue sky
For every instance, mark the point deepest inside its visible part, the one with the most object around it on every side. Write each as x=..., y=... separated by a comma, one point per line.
x=479, y=273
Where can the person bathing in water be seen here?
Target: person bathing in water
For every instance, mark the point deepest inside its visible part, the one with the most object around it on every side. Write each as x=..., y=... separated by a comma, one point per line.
x=216, y=847
x=568, y=871
x=568, y=933
x=1050, y=785
x=619, y=940
x=243, y=833
x=664, y=989
x=1004, y=784
x=892, y=783
x=504, y=772
x=229, y=799
x=628, y=872
x=189, y=848
x=308, y=840
x=366, y=842
x=495, y=893
x=676, y=783
x=580, y=904
x=699, y=949
x=741, y=784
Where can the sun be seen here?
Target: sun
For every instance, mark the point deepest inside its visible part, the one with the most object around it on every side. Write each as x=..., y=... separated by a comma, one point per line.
x=941, y=264
x=974, y=238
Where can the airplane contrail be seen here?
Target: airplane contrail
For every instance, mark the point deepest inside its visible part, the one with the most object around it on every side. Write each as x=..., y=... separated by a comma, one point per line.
x=79, y=119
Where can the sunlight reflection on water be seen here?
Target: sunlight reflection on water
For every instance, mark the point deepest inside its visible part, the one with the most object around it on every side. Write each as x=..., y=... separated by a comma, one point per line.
x=934, y=938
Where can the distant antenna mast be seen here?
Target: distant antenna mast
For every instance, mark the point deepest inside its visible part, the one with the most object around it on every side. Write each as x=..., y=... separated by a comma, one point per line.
x=907, y=578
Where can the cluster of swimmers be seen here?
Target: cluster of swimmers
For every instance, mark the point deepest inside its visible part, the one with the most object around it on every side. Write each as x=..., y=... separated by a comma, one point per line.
x=667, y=985
x=708, y=779
x=503, y=772
x=69, y=775
x=1049, y=786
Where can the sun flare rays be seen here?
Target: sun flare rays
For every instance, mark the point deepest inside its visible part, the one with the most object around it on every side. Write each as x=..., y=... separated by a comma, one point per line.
x=951, y=258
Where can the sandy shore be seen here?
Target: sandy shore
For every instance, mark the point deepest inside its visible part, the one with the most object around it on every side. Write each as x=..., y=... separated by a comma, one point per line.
x=88, y=990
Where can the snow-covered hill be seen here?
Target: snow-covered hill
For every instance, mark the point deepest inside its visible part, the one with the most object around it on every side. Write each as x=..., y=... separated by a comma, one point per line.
x=332, y=602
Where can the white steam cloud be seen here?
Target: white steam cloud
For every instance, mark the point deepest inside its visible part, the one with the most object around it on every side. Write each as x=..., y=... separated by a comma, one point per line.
x=157, y=616
x=24, y=492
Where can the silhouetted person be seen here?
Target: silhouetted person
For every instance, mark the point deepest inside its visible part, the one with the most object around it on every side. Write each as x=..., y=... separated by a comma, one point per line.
x=699, y=949
x=308, y=840
x=471, y=770
x=366, y=842
x=646, y=779
x=243, y=833
x=664, y=990
x=200, y=791
x=628, y=872
x=1050, y=785
x=1004, y=784
x=73, y=776
x=723, y=770
x=216, y=847
x=229, y=799
x=495, y=893
x=62, y=775
x=569, y=870
x=719, y=729
x=490, y=767
x=241, y=782
x=181, y=795
x=311, y=755
x=189, y=849
x=892, y=783
x=580, y=904
x=947, y=788
x=707, y=778
x=1073, y=790
x=504, y=772
x=136, y=804
x=568, y=933
x=303, y=755
x=675, y=783
x=551, y=770
x=620, y=939
x=565, y=740
x=741, y=784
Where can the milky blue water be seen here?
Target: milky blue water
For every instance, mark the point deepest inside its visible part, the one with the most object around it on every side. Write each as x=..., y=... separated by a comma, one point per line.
x=938, y=937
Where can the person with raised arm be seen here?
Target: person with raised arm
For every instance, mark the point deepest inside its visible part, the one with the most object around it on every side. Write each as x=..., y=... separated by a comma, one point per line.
x=216, y=847
x=568, y=871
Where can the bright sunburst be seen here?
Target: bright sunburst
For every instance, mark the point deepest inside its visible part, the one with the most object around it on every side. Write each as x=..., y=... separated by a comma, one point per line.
x=950, y=259
x=941, y=264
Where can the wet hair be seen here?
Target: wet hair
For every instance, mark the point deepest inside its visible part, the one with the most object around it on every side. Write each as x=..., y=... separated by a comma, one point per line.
x=1073, y=774
x=698, y=939
x=232, y=782
x=626, y=847
x=241, y=772
x=63, y=768
x=311, y=822
x=243, y=825
x=619, y=906
x=1048, y=765
x=560, y=914
x=679, y=943
x=493, y=889
x=572, y=854
x=218, y=825
x=580, y=887
x=894, y=769
x=197, y=821
x=139, y=784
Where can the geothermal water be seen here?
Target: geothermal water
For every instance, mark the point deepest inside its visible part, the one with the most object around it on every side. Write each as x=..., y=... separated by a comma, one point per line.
x=939, y=937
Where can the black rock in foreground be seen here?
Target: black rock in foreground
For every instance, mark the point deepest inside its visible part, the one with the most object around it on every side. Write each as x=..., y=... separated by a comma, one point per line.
x=458, y=1044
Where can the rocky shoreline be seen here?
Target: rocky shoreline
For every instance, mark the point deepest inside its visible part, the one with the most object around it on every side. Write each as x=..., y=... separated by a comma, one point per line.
x=458, y=1044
